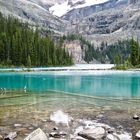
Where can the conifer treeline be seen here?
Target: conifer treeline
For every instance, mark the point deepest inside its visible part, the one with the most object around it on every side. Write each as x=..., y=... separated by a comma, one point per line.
x=20, y=45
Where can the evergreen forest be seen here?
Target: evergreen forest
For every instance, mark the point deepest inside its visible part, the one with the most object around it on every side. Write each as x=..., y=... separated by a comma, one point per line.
x=23, y=45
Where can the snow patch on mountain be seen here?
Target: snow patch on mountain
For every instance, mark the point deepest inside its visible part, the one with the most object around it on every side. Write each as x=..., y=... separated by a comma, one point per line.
x=60, y=9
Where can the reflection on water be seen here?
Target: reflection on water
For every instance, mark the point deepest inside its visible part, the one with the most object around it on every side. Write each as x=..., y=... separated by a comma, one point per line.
x=106, y=85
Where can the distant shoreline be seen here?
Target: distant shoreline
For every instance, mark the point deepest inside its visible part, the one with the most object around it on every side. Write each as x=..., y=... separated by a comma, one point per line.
x=74, y=68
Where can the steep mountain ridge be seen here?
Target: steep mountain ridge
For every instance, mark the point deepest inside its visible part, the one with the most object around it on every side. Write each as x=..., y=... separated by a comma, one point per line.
x=107, y=25
x=80, y=13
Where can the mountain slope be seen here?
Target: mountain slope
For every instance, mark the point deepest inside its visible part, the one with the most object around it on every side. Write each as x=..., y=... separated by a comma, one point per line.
x=108, y=25
x=32, y=11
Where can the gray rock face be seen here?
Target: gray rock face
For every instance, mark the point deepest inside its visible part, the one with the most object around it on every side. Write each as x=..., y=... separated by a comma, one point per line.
x=109, y=25
x=81, y=13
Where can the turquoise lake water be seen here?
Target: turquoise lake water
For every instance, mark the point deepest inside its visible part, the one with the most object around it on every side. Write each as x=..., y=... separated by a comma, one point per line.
x=100, y=84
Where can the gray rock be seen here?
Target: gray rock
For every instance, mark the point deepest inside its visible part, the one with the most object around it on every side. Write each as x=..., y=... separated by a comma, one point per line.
x=38, y=134
x=123, y=136
x=110, y=130
x=112, y=137
x=11, y=136
x=17, y=125
x=136, y=117
x=138, y=134
x=93, y=133
x=55, y=128
x=55, y=135
x=63, y=133
x=58, y=134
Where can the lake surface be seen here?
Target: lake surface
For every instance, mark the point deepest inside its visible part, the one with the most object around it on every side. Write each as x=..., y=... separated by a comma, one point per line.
x=91, y=83
x=37, y=94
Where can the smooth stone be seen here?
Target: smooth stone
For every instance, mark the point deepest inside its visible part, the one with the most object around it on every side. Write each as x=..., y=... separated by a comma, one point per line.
x=37, y=134
x=136, y=117
x=17, y=125
x=11, y=136
x=93, y=133
x=138, y=134
x=43, y=120
x=31, y=128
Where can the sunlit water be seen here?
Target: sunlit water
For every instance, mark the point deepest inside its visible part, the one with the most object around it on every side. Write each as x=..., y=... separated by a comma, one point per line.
x=101, y=84
x=36, y=94
x=95, y=85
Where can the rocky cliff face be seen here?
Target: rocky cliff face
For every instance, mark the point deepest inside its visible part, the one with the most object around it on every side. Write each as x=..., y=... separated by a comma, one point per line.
x=80, y=13
x=107, y=25
x=74, y=48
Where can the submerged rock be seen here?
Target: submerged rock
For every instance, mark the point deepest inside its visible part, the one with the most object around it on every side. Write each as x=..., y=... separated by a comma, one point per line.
x=60, y=117
x=38, y=134
x=11, y=136
x=136, y=117
x=93, y=133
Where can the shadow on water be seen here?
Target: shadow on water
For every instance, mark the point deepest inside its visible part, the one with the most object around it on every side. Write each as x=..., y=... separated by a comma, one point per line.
x=135, y=82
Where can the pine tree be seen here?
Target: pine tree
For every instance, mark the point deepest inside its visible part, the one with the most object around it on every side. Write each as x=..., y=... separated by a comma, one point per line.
x=22, y=45
x=134, y=52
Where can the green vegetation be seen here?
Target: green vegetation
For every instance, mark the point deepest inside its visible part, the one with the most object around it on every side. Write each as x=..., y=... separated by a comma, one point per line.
x=133, y=60
x=23, y=45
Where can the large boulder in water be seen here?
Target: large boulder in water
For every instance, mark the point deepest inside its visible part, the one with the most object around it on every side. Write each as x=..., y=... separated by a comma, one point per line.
x=38, y=134
x=60, y=117
x=93, y=133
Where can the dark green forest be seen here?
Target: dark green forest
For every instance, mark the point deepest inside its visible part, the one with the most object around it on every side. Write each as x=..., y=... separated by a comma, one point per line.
x=23, y=45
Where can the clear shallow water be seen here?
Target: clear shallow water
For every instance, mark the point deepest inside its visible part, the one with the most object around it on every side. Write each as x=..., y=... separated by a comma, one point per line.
x=70, y=91
x=98, y=83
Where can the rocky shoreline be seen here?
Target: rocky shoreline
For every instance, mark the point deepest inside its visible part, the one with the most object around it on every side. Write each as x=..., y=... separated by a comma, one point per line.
x=90, y=124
